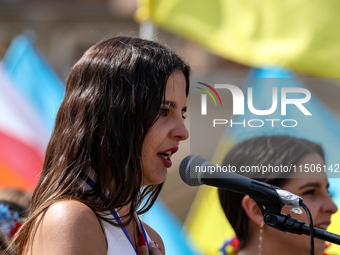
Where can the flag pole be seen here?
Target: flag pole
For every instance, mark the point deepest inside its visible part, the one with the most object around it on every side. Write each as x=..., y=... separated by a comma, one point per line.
x=147, y=30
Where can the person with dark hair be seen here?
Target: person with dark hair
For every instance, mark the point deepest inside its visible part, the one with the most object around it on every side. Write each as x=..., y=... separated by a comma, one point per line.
x=243, y=213
x=119, y=124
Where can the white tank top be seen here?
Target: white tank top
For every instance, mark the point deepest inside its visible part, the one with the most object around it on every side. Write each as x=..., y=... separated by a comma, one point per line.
x=117, y=241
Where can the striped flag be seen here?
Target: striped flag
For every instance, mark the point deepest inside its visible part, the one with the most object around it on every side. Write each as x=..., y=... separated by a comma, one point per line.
x=23, y=138
x=30, y=94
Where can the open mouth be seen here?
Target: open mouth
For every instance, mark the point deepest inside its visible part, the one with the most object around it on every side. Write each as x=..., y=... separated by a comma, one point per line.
x=323, y=227
x=166, y=155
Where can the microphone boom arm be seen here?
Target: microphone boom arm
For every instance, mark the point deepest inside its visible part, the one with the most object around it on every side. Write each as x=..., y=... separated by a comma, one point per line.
x=286, y=223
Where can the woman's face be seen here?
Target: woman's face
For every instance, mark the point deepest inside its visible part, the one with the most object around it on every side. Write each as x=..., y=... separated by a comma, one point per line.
x=314, y=192
x=163, y=138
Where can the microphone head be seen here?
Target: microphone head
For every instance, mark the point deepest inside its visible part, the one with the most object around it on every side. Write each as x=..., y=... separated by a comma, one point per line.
x=187, y=169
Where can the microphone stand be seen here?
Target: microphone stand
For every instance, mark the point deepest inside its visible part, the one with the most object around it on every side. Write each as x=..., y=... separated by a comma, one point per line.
x=270, y=204
x=285, y=223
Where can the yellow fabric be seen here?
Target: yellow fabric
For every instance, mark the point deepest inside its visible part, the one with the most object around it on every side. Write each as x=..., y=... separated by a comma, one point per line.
x=334, y=228
x=206, y=222
x=301, y=35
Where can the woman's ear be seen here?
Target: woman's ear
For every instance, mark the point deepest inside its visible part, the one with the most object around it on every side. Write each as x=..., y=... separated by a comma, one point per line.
x=252, y=210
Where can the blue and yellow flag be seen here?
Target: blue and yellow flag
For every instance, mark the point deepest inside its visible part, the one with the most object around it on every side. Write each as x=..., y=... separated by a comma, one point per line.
x=301, y=35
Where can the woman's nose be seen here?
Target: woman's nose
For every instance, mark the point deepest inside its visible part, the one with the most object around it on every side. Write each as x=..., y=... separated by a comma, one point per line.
x=180, y=131
x=329, y=206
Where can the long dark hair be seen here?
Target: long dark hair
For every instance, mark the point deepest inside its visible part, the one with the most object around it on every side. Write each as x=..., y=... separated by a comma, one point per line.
x=274, y=150
x=113, y=97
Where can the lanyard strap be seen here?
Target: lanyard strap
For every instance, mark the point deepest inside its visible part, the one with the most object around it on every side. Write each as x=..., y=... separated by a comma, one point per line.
x=92, y=184
x=115, y=214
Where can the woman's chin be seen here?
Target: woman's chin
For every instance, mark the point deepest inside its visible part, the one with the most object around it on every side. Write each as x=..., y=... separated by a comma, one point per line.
x=159, y=179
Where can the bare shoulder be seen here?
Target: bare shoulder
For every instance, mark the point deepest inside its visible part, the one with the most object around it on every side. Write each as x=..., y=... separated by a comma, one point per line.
x=154, y=236
x=69, y=227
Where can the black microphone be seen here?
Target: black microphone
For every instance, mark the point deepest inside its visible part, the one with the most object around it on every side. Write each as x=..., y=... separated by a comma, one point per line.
x=269, y=196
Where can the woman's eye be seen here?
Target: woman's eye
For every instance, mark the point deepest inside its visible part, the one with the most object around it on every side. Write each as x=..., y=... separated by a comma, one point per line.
x=164, y=112
x=309, y=192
